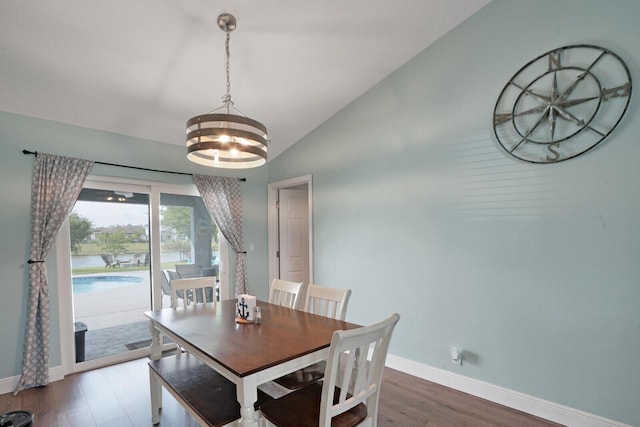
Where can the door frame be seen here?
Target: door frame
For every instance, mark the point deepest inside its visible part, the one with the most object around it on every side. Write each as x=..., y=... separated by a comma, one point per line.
x=272, y=219
x=64, y=274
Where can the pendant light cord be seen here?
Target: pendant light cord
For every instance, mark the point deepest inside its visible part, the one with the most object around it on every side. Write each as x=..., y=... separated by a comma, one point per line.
x=227, y=98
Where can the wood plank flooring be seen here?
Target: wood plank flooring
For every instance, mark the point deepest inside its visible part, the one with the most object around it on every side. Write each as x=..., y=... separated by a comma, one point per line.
x=118, y=395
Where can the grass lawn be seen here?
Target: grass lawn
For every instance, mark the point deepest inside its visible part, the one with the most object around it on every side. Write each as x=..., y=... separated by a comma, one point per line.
x=96, y=249
x=94, y=270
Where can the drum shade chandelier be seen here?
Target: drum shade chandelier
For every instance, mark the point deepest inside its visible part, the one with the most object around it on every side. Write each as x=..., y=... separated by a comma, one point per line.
x=226, y=138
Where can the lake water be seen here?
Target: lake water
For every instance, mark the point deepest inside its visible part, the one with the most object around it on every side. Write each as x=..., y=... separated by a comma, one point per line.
x=87, y=261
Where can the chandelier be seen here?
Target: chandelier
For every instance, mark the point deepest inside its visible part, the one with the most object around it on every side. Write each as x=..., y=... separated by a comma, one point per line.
x=226, y=138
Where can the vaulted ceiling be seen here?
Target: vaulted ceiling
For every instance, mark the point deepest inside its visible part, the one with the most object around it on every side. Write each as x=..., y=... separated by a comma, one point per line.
x=142, y=68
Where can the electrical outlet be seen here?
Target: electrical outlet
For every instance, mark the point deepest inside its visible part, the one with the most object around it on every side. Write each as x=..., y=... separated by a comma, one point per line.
x=456, y=356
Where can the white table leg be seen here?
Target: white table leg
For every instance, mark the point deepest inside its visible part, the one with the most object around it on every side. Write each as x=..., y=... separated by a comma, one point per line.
x=156, y=349
x=247, y=392
x=154, y=383
x=156, y=397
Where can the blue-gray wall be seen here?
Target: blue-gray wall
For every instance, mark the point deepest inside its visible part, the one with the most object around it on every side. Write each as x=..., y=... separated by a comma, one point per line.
x=539, y=284
x=18, y=133
x=531, y=269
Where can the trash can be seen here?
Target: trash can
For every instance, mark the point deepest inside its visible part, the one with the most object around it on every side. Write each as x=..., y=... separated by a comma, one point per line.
x=16, y=419
x=81, y=330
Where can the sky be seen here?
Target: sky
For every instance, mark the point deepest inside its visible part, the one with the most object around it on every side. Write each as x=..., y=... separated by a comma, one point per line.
x=106, y=214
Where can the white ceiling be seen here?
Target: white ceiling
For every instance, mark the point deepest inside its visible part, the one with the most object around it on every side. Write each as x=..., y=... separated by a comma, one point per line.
x=143, y=67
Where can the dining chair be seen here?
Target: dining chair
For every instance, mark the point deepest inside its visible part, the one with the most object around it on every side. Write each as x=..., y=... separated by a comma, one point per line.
x=324, y=301
x=284, y=292
x=349, y=394
x=194, y=290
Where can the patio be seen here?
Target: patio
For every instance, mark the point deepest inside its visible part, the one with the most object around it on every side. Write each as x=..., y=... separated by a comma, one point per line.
x=116, y=339
x=114, y=317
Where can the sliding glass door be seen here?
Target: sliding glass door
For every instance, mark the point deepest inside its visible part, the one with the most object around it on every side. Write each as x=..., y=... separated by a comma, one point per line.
x=111, y=276
x=126, y=242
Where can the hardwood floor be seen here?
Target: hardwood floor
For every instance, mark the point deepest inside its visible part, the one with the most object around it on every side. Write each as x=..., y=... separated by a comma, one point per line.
x=119, y=396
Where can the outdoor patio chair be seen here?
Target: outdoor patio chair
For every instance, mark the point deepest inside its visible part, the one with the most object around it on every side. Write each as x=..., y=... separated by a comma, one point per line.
x=109, y=262
x=141, y=260
x=187, y=271
x=167, y=277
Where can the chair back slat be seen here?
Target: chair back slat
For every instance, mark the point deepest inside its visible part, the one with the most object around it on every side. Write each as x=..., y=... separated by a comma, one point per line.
x=193, y=291
x=284, y=293
x=328, y=302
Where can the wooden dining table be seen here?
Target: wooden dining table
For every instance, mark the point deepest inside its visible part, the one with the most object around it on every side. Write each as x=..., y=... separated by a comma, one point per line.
x=246, y=354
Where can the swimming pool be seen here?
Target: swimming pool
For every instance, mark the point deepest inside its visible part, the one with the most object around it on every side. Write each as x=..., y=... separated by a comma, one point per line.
x=83, y=284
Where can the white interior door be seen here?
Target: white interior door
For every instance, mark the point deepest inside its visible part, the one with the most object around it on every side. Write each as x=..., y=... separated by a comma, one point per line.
x=293, y=227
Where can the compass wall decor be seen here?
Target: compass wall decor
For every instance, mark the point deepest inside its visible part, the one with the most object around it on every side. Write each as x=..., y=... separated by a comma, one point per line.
x=562, y=104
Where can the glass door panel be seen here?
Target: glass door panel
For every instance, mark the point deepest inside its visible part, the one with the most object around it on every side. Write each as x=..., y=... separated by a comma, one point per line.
x=110, y=247
x=189, y=242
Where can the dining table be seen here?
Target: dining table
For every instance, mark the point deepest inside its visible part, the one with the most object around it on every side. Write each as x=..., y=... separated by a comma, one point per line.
x=247, y=354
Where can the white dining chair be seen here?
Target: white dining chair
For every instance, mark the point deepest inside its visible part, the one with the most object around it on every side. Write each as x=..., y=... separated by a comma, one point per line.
x=285, y=293
x=349, y=394
x=324, y=301
x=193, y=290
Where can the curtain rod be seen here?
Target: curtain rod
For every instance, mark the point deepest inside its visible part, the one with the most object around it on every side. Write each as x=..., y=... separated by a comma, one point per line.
x=35, y=153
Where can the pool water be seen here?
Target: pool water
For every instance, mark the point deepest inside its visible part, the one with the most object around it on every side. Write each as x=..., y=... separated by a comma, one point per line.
x=102, y=283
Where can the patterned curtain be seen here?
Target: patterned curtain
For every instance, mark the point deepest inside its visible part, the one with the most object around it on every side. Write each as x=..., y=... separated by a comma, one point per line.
x=57, y=182
x=222, y=198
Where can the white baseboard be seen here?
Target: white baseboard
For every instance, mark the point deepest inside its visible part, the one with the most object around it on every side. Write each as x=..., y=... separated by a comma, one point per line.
x=8, y=385
x=522, y=402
